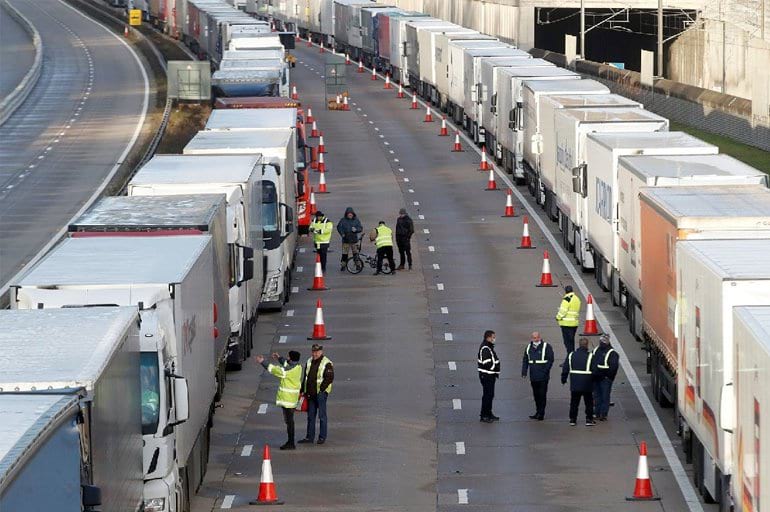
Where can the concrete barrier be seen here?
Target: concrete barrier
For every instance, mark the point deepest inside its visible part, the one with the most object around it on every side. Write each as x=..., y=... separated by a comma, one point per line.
x=14, y=100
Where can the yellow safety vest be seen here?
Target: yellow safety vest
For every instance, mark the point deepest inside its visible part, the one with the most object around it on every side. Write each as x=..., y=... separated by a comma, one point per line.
x=569, y=311
x=288, y=389
x=587, y=371
x=384, y=237
x=542, y=353
x=320, y=376
x=606, y=365
x=322, y=231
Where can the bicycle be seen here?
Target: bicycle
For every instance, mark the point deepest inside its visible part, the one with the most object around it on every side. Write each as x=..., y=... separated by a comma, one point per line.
x=356, y=264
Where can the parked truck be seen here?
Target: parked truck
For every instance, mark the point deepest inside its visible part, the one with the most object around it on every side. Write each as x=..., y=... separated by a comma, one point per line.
x=169, y=279
x=70, y=398
x=279, y=197
x=668, y=215
x=715, y=276
x=237, y=177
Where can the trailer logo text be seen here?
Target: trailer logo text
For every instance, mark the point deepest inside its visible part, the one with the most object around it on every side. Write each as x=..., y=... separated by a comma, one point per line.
x=188, y=333
x=603, y=203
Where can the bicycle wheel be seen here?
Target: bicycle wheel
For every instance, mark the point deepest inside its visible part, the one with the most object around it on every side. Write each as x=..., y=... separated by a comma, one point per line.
x=355, y=265
x=386, y=267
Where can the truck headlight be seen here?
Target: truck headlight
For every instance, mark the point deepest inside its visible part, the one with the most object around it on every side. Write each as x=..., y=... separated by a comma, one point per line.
x=155, y=505
x=272, y=283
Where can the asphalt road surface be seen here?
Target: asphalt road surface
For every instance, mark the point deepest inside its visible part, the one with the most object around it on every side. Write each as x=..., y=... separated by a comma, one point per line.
x=404, y=432
x=71, y=133
x=16, y=52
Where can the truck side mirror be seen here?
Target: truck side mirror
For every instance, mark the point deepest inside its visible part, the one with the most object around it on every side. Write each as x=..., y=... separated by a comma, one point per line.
x=494, y=102
x=512, y=117
x=248, y=252
x=181, y=400
x=536, y=146
x=579, y=180
x=248, y=270
x=727, y=412
x=92, y=496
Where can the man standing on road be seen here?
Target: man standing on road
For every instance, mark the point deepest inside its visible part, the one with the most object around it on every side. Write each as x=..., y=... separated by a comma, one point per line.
x=382, y=236
x=349, y=227
x=319, y=375
x=577, y=367
x=290, y=372
x=404, y=232
x=322, y=235
x=489, y=371
x=606, y=362
x=568, y=318
x=538, y=359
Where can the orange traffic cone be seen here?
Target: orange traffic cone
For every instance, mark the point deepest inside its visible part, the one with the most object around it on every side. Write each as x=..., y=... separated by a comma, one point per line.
x=443, y=132
x=491, y=183
x=314, y=158
x=321, y=49
x=360, y=66
x=297, y=38
x=267, y=493
x=484, y=166
x=347, y=59
x=387, y=81
x=456, y=148
x=309, y=41
x=322, y=184
x=374, y=74
x=509, y=211
x=310, y=117
x=526, y=241
x=314, y=131
x=643, y=487
x=294, y=94
x=414, y=101
x=319, y=329
x=546, y=280
x=318, y=277
x=345, y=105
x=321, y=163
x=125, y=30
x=428, y=116
x=313, y=206
x=337, y=99
x=590, y=328
x=321, y=145
x=400, y=91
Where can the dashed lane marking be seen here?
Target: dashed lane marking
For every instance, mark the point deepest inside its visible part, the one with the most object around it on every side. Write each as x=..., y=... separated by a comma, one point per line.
x=290, y=312
x=376, y=129
x=228, y=501
x=431, y=248
x=300, y=269
x=411, y=191
x=406, y=180
x=452, y=366
x=282, y=339
x=462, y=496
x=391, y=152
x=295, y=289
x=448, y=336
x=421, y=217
x=426, y=231
x=386, y=143
x=436, y=266
x=457, y=404
x=460, y=448
x=444, y=311
x=262, y=409
x=417, y=203
x=302, y=250
x=400, y=169
x=440, y=287
x=246, y=451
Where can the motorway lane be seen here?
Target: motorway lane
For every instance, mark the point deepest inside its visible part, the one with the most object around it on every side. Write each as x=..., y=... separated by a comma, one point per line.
x=471, y=278
x=71, y=133
x=16, y=52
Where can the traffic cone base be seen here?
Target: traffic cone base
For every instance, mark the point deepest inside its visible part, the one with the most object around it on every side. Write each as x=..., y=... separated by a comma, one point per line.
x=267, y=492
x=546, y=279
x=643, y=485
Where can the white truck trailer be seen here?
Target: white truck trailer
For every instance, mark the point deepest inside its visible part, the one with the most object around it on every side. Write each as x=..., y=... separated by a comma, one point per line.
x=668, y=215
x=715, y=276
x=169, y=279
x=279, y=197
x=237, y=177
x=70, y=396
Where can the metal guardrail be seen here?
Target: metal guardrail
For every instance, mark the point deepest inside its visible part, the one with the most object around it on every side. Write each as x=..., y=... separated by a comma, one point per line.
x=14, y=100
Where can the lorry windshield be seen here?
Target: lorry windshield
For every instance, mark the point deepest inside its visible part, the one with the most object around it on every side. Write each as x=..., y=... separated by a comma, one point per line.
x=149, y=374
x=269, y=207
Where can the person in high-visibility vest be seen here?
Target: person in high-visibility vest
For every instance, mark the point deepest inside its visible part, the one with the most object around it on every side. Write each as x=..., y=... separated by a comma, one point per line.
x=489, y=371
x=322, y=229
x=538, y=360
x=607, y=361
x=317, y=384
x=579, y=367
x=290, y=372
x=382, y=236
x=568, y=317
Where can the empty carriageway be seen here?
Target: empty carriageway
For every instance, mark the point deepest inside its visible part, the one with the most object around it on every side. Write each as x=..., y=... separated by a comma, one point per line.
x=404, y=430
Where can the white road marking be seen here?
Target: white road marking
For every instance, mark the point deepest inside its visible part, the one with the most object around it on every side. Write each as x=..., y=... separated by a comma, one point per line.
x=452, y=366
x=376, y=129
x=431, y=248
x=228, y=501
x=302, y=250
x=262, y=409
x=381, y=135
x=417, y=203
x=300, y=269
x=444, y=311
x=364, y=115
x=421, y=217
x=295, y=289
x=448, y=336
x=400, y=169
x=440, y=287
x=462, y=496
x=426, y=231
x=457, y=404
x=371, y=122
x=282, y=339
x=396, y=160
x=436, y=266
x=391, y=152
x=411, y=191
x=406, y=180
x=246, y=452
x=460, y=448
x=386, y=143
x=290, y=312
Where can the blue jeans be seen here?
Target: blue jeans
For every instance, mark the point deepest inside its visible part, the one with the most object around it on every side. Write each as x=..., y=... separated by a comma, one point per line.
x=602, y=389
x=316, y=405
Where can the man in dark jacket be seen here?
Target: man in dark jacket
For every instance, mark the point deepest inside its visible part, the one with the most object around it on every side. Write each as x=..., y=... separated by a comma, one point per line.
x=404, y=232
x=349, y=228
x=577, y=367
x=489, y=371
x=606, y=362
x=538, y=359
x=319, y=375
